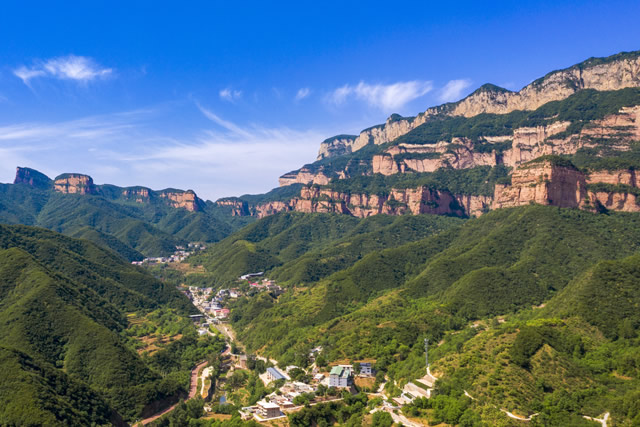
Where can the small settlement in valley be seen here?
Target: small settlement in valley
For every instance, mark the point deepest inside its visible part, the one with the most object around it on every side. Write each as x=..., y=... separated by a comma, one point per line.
x=293, y=387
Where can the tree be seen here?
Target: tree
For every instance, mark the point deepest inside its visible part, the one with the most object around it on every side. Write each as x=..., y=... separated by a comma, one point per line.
x=382, y=419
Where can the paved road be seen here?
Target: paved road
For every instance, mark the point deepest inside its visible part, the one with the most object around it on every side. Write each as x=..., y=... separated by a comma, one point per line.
x=192, y=392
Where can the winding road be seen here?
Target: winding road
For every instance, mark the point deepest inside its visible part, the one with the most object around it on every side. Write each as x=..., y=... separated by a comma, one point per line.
x=192, y=393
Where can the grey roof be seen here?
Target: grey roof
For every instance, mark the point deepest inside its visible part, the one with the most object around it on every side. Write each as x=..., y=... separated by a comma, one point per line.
x=275, y=373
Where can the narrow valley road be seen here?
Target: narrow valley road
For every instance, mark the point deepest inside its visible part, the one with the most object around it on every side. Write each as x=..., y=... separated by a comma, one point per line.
x=193, y=389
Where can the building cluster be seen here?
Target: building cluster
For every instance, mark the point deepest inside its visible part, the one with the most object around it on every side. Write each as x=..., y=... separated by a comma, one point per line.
x=210, y=303
x=340, y=377
x=266, y=285
x=179, y=255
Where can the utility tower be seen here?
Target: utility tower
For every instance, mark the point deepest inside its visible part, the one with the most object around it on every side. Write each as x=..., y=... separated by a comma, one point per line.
x=426, y=352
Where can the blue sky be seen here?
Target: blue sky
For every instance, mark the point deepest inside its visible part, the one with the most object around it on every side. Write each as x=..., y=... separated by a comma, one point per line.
x=223, y=97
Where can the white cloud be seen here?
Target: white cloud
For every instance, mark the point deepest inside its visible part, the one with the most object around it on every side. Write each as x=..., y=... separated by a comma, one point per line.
x=303, y=93
x=215, y=161
x=230, y=95
x=384, y=97
x=71, y=67
x=453, y=90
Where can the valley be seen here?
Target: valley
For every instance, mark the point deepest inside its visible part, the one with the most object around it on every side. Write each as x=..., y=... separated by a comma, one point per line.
x=501, y=232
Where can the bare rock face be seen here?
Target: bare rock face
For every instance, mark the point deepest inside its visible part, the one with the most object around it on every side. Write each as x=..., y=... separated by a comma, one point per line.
x=74, y=183
x=542, y=183
x=138, y=194
x=238, y=207
x=182, y=199
x=612, y=73
x=32, y=178
x=336, y=146
x=623, y=202
x=303, y=176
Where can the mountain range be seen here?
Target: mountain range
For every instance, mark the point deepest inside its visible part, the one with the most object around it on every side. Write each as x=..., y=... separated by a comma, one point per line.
x=504, y=228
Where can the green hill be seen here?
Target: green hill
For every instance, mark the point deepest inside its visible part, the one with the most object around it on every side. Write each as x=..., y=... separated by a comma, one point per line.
x=108, y=217
x=62, y=304
x=382, y=284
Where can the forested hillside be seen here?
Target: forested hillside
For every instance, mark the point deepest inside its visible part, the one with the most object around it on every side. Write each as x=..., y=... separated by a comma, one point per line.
x=380, y=285
x=62, y=314
x=134, y=222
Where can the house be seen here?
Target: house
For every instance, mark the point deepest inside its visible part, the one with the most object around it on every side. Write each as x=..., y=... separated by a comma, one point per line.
x=268, y=409
x=341, y=376
x=274, y=375
x=366, y=369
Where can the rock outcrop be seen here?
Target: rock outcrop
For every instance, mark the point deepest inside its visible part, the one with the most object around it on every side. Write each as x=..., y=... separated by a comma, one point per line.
x=612, y=73
x=542, y=183
x=238, y=207
x=137, y=194
x=32, y=178
x=303, y=176
x=74, y=183
x=336, y=146
x=182, y=199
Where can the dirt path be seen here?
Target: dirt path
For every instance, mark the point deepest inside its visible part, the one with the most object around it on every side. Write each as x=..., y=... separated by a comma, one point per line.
x=192, y=392
x=602, y=420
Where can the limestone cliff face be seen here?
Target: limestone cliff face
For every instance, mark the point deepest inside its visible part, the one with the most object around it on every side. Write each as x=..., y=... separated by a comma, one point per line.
x=612, y=73
x=544, y=184
x=623, y=202
x=420, y=200
x=336, y=146
x=547, y=184
x=74, y=183
x=303, y=176
x=32, y=178
x=460, y=153
x=137, y=194
x=182, y=199
x=238, y=207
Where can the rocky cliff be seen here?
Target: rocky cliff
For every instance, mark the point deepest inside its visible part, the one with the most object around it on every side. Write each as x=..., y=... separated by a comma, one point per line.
x=546, y=183
x=74, y=183
x=182, y=199
x=32, y=178
x=603, y=74
x=617, y=131
x=336, y=146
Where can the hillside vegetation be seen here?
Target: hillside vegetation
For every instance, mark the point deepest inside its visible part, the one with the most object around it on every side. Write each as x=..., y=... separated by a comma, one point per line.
x=62, y=305
x=133, y=230
x=366, y=295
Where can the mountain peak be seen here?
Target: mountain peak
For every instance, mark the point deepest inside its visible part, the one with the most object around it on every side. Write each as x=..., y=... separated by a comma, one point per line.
x=74, y=183
x=32, y=177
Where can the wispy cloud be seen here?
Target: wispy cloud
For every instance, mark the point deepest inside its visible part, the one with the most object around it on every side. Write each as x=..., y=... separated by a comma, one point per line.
x=453, y=90
x=71, y=67
x=384, y=97
x=229, y=126
x=222, y=158
x=230, y=95
x=303, y=93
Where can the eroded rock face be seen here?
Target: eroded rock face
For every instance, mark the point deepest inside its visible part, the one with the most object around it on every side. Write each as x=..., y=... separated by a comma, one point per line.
x=623, y=202
x=139, y=195
x=614, y=73
x=74, y=183
x=555, y=86
x=32, y=178
x=182, y=199
x=544, y=184
x=238, y=207
x=336, y=146
x=303, y=176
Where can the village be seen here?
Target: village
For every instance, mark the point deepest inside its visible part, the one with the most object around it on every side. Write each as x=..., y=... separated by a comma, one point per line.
x=293, y=387
x=179, y=255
